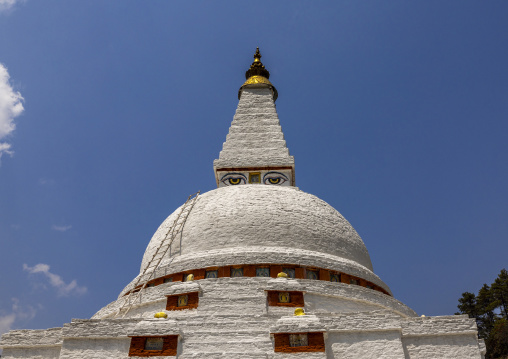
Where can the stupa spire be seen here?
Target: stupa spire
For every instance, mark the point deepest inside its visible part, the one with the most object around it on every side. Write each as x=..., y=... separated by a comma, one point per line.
x=255, y=151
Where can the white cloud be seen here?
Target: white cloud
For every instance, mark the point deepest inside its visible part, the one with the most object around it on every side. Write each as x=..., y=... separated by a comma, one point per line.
x=56, y=281
x=16, y=313
x=6, y=5
x=61, y=228
x=11, y=106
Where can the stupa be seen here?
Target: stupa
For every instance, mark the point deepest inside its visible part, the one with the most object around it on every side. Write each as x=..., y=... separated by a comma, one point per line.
x=254, y=269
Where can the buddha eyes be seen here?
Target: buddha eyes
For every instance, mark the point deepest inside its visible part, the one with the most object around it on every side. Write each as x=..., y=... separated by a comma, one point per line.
x=270, y=178
x=233, y=179
x=275, y=178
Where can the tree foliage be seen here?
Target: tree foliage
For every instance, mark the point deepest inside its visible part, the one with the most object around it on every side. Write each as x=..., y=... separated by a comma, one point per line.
x=490, y=310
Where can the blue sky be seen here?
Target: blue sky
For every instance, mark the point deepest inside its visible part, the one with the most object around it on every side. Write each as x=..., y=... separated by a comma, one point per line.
x=396, y=113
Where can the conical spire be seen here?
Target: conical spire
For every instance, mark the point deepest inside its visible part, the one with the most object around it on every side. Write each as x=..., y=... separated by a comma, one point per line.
x=257, y=76
x=255, y=150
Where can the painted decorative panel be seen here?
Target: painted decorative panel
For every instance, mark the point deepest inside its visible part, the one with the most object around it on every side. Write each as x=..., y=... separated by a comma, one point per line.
x=312, y=274
x=154, y=343
x=254, y=177
x=212, y=274
x=289, y=271
x=334, y=277
x=183, y=300
x=284, y=297
x=298, y=340
x=236, y=272
x=262, y=272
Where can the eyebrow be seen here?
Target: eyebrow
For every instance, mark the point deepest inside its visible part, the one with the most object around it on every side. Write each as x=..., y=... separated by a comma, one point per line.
x=233, y=173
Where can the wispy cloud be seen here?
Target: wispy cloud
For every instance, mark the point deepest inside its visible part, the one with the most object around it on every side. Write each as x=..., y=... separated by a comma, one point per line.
x=6, y=5
x=46, y=181
x=16, y=313
x=11, y=105
x=61, y=228
x=56, y=281
x=6, y=322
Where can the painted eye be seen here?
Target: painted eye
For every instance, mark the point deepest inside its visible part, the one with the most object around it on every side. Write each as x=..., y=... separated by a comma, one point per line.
x=274, y=178
x=233, y=179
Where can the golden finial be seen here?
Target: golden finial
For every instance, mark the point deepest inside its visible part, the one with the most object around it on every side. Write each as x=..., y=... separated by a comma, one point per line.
x=258, y=76
x=257, y=55
x=282, y=275
x=257, y=68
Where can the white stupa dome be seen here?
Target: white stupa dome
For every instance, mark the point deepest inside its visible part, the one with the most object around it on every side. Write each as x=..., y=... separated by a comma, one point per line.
x=254, y=224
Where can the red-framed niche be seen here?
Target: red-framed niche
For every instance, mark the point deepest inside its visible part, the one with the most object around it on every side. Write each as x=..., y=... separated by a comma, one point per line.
x=150, y=346
x=299, y=342
x=281, y=298
x=183, y=301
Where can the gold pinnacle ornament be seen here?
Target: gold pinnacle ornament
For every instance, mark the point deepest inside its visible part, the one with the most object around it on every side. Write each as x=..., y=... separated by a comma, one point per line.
x=257, y=76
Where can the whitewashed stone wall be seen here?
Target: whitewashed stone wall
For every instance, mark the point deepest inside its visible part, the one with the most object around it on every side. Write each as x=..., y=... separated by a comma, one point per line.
x=95, y=348
x=32, y=353
x=366, y=345
x=32, y=344
x=378, y=334
x=234, y=321
x=255, y=137
x=450, y=346
x=248, y=296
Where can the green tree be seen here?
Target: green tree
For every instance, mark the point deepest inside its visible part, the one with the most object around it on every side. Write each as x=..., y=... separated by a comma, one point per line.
x=500, y=292
x=490, y=309
x=497, y=342
x=467, y=304
x=485, y=306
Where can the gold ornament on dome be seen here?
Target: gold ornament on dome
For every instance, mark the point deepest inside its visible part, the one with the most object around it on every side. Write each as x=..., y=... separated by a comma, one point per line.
x=190, y=278
x=160, y=315
x=299, y=311
x=282, y=275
